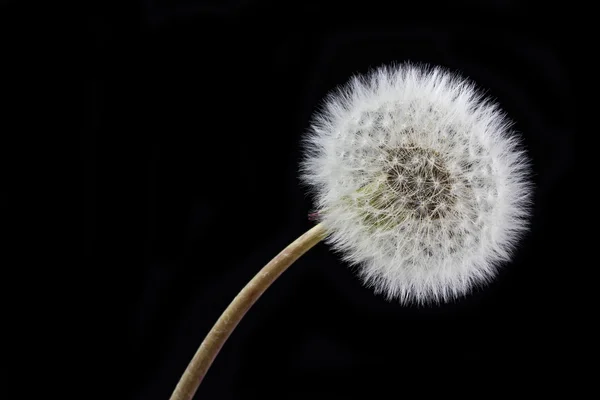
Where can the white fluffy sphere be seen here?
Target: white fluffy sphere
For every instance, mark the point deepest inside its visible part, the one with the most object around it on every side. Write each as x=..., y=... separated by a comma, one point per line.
x=418, y=180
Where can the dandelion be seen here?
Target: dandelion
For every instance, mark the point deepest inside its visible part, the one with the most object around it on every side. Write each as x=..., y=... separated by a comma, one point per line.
x=436, y=196
x=418, y=181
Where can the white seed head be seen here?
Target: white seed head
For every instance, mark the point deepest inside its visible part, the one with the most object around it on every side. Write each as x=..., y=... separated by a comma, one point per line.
x=419, y=181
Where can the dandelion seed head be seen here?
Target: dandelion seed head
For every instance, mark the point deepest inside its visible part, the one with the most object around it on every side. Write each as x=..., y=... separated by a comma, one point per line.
x=419, y=180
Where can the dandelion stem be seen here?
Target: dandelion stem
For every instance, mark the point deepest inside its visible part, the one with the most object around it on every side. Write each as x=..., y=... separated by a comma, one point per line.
x=210, y=347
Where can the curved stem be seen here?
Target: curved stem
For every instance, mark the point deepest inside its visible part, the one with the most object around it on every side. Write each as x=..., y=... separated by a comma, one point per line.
x=197, y=368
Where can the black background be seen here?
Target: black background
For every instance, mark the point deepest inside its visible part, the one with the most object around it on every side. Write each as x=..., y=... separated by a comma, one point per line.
x=189, y=160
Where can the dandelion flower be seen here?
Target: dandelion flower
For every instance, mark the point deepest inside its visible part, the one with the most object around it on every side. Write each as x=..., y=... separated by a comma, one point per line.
x=419, y=181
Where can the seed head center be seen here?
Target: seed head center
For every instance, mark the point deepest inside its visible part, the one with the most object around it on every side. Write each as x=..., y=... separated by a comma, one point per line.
x=420, y=180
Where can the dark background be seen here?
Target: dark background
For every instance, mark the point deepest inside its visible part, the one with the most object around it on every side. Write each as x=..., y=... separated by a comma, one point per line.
x=193, y=113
